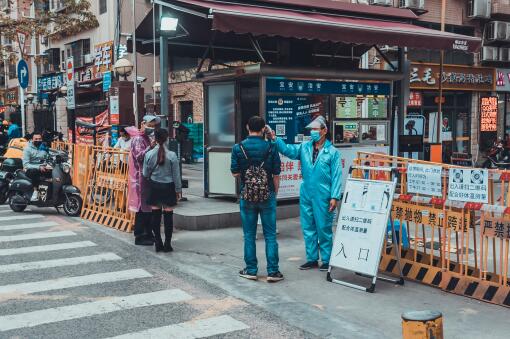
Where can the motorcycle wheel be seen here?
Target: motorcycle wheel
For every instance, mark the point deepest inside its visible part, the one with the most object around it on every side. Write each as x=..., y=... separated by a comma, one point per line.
x=487, y=164
x=3, y=196
x=72, y=205
x=16, y=207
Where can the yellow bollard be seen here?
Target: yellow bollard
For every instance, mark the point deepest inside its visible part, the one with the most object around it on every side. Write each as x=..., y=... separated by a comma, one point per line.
x=422, y=325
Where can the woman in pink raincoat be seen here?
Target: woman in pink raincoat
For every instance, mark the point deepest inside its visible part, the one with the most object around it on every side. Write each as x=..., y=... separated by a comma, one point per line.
x=138, y=186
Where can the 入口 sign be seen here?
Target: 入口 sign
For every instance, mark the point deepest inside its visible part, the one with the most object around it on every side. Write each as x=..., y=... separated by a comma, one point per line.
x=469, y=185
x=489, y=114
x=424, y=179
x=362, y=225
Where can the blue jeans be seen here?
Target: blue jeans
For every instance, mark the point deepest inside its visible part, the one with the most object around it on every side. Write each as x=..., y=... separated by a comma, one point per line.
x=249, y=216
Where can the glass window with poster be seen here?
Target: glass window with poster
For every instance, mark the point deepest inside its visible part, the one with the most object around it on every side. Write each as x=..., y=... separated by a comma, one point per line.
x=361, y=119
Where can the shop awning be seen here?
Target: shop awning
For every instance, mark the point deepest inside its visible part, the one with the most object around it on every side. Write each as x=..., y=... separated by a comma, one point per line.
x=266, y=21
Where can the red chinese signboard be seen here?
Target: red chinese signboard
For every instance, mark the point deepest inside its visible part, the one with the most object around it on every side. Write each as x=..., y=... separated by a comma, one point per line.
x=488, y=114
x=415, y=99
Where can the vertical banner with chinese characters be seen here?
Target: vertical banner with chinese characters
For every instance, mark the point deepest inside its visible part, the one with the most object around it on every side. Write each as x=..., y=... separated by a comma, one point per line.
x=290, y=178
x=103, y=59
x=469, y=185
x=424, y=179
x=489, y=114
x=362, y=224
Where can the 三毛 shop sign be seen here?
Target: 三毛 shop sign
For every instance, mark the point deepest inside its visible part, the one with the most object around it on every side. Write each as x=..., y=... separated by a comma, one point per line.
x=426, y=76
x=503, y=79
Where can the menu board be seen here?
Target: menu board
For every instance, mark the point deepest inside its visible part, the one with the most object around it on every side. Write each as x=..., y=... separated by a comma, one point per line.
x=488, y=114
x=288, y=116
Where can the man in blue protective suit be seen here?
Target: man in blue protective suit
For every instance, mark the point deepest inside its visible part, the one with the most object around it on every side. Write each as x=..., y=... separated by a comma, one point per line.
x=320, y=191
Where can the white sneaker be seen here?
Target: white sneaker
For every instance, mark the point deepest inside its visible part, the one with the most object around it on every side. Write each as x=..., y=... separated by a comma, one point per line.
x=35, y=196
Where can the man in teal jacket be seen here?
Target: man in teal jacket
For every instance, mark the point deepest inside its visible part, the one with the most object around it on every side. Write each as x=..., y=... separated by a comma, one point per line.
x=320, y=191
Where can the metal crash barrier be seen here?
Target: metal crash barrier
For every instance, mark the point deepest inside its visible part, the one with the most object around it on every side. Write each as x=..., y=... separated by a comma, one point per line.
x=448, y=238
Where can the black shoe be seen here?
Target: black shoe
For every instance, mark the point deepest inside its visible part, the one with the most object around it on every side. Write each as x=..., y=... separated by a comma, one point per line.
x=274, y=277
x=143, y=241
x=244, y=273
x=167, y=247
x=324, y=267
x=159, y=246
x=309, y=265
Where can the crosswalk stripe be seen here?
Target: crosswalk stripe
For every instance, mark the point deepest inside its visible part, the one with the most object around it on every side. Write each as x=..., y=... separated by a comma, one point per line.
x=36, y=265
x=77, y=311
x=26, y=226
x=191, y=329
x=69, y=282
x=46, y=248
x=37, y=235
x=21, y=217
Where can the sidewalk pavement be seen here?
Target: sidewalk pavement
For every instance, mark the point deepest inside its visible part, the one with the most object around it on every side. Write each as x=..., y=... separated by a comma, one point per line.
x=308, y=301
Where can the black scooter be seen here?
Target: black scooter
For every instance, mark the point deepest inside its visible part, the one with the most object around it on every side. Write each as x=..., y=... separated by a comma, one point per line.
x=7, y=173
x=56, y=191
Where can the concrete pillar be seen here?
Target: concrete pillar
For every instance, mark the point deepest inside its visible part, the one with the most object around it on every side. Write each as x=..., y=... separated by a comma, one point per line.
x=61, y=116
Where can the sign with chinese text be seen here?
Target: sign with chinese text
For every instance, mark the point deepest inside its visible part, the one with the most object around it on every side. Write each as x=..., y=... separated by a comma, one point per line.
x=70, y=83
x=424, y=179
x=496, y=227
x=103, y=58
x=107, y=81
x=469, y=185
x=279, y=85
x=415, y=99
x=11, y=96
x=427, y=215
x=468, y=78
x=290, y=178
x=50, y=82
x=503, y=79
x=489, y=114
x=288, y=116
x=377, y=107
x=114, y=110
x=362, y=224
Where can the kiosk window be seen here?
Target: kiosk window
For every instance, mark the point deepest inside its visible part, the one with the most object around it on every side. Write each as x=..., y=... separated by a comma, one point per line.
x=221, y=114
x=374, y=132
x=346, y=132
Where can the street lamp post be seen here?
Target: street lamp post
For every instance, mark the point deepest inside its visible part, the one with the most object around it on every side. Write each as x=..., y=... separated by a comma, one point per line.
x=168, y=26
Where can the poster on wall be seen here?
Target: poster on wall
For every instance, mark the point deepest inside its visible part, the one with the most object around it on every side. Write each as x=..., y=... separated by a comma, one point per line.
x=290, y=178
x=85, y=129
x=288, y=116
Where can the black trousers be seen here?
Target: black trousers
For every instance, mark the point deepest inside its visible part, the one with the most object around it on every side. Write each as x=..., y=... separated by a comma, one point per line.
x=142, y=225
x=35, y=175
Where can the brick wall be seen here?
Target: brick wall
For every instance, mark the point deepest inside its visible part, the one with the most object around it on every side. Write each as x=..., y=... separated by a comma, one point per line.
x=188, y=91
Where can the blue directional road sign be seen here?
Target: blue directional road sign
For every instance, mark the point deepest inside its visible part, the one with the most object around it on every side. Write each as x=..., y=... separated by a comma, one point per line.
x=23, y=74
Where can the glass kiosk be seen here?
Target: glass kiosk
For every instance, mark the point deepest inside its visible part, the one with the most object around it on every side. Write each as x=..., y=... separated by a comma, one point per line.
x=358, y=112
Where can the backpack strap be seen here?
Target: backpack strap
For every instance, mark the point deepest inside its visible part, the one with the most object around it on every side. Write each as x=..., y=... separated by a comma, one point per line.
x=243, y=150
x=268, y=153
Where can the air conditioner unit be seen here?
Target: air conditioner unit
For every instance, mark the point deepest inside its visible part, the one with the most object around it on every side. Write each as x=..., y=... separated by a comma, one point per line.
x=479, y=9
x=412, y=4
x=381, y=2
x=496, y=31
x=504, y=54
x=88, y=59
x=489, y=53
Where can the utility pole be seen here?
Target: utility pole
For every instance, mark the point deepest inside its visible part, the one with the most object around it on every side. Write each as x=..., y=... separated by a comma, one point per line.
x=441, y=66
x=135, y=81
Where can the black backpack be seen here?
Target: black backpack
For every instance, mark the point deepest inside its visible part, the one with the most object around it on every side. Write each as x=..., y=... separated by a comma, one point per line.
x=256, y=180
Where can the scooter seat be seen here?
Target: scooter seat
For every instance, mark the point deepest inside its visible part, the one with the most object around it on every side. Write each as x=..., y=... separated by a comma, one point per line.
x=22, y=175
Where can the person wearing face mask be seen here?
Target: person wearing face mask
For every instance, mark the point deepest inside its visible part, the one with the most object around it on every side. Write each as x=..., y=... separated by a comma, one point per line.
x=320, y=191
x=34, y=158
x=123, y=143
x=138, y=185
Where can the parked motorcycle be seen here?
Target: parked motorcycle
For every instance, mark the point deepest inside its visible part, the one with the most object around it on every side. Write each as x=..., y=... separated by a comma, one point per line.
x=7, y=172
x=57, y=191
x=497, y=157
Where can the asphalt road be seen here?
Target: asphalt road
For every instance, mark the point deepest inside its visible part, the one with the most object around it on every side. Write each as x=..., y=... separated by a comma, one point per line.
x=63, y=278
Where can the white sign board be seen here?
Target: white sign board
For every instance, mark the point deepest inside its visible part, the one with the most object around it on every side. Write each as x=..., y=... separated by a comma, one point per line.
x=70, y=83
x=469, y=185
x=424, y=179
x=290, y=178
x=362, y=225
